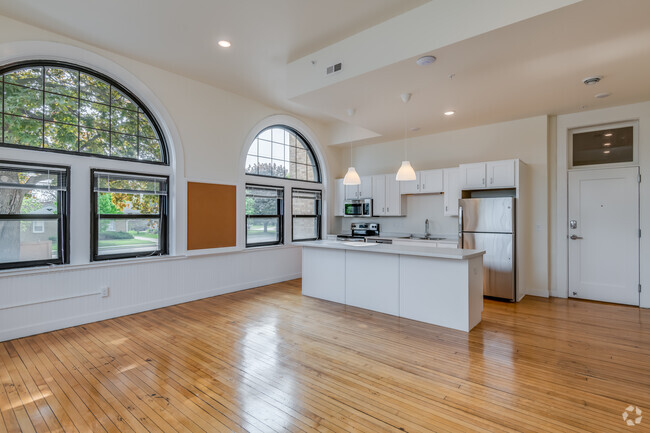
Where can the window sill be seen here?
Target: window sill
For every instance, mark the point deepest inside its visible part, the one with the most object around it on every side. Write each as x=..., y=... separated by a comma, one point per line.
x=138, y=261
x=92, y=265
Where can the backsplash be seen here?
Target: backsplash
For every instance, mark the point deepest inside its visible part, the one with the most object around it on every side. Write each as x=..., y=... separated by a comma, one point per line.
x=418, y=209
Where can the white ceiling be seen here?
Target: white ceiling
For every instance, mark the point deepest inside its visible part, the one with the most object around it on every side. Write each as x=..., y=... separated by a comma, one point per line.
x=181, y=36
x=531, y=67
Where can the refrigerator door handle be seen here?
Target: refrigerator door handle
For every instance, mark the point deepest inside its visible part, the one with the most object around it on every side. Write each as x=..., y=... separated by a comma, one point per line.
x=460, y=226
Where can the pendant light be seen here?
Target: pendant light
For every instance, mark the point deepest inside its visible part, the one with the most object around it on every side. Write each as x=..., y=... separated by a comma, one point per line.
x=351, y=177
x=405, y=172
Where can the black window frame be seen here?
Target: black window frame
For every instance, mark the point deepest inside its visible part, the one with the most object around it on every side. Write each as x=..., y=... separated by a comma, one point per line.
x=8, y=68
x=279, y=216
x=163, y=231
x=318, y=215
x=302, y=138
x=63, y=217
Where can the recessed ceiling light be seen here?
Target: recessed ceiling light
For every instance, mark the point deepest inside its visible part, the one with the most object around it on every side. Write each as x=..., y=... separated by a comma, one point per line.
x=592, y=80
x=450, y=113
x=609, y=134
x=607, y=144
x=224, y=44
x=602, y=95
x=606, y=151
x=425, y=60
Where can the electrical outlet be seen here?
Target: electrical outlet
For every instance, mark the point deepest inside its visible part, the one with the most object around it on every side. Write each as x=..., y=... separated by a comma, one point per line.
x=104, y=292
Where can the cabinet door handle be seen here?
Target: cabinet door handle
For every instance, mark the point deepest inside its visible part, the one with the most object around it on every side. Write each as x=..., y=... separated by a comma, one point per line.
x=483, y=181
x=418, y=187
x=491, y=180
x=446, y=208
x=387, y=209
x=424, y=186
x=383, y=209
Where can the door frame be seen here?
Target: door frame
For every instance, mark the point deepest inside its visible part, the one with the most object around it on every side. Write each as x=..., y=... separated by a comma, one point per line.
x=563, y=142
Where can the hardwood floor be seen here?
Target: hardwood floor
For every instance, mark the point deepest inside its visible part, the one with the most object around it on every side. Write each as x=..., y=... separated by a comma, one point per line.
x=271, y=360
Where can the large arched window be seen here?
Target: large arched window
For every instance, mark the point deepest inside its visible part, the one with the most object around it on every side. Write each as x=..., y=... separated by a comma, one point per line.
x=280, y=151
x=65, y=113
x=62, y=107
x=287, y=192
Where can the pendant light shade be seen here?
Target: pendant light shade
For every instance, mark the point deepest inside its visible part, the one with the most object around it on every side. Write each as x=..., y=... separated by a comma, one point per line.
x=352, y=177
x=405, y=172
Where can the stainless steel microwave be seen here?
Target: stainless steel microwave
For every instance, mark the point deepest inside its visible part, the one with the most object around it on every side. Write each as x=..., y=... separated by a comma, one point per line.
x=358, y=208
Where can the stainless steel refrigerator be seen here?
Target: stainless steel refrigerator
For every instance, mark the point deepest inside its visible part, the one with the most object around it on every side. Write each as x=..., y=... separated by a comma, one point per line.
x=489, y=224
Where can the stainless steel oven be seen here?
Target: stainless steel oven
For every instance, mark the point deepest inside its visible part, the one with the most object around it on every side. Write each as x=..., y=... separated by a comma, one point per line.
x=358, y=208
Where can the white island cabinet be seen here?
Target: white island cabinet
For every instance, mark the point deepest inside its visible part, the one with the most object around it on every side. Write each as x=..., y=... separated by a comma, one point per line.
x=441, y=286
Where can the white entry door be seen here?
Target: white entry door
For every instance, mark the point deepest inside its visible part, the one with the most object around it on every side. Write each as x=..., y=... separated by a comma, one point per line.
x=604, y=235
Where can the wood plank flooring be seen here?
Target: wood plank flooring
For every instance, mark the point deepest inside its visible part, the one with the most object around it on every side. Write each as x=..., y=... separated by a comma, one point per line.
x=271, y=360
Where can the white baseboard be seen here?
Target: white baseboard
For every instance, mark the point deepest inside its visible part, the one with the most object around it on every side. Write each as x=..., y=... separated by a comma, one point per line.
x=558, y=294
x=39, y=328
x=540, y=292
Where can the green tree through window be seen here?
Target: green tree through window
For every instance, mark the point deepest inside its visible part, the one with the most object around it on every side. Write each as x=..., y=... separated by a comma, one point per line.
x=69, y=109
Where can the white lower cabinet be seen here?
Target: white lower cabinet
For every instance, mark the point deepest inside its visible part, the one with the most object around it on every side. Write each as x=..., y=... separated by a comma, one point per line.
x=374, y=284
x=324, y=282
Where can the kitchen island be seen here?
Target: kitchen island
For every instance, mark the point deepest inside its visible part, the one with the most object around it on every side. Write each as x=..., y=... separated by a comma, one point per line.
x=441, y=286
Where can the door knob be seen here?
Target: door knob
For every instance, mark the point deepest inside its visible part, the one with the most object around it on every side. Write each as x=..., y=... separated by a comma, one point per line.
x=574, y=237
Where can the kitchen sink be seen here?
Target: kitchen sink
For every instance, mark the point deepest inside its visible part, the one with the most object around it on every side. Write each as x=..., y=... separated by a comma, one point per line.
x=424, y=238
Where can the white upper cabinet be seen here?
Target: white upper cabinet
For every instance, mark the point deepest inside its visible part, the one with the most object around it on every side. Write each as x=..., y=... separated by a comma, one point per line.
x=501, y=174
x=411, y=186
x=426, y=182
x=355, y=192
x=452, y=191
x=365, y=189
x=487, y=175
x=386, y=198
x=379, y=195
x=339, y=198
x=393, y=196
x=431, y=181
x=472, y=175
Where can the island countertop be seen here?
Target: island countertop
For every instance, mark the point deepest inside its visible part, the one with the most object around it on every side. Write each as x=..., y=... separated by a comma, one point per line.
x=407, y=250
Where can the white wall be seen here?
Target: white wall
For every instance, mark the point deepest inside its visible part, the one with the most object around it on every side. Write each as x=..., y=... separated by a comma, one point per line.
x=640, y=112
x=207, y=129
x=526, y=139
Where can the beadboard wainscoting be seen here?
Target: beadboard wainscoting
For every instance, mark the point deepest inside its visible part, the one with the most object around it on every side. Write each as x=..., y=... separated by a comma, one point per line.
x=40, y=301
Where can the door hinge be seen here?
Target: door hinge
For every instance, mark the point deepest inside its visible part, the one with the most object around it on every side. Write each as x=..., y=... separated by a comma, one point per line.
x=639, y=232
x=639, y=288
x=639, y=177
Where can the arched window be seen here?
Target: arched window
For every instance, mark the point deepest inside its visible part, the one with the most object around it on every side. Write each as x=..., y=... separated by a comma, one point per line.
x=286, y=206
x=280, y=151
x=61, y=107
x=55, y=107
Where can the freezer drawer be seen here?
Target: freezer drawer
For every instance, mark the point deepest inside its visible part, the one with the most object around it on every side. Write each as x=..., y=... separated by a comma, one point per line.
x=493, y=215
x=498, y=263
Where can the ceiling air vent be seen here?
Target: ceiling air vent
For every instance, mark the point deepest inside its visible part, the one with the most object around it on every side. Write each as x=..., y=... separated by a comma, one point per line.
x=334, y=68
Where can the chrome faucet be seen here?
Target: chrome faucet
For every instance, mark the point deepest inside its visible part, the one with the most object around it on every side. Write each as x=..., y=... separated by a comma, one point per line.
x=426, y=228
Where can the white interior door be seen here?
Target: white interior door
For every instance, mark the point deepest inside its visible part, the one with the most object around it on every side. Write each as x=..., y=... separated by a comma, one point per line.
x=604, y=235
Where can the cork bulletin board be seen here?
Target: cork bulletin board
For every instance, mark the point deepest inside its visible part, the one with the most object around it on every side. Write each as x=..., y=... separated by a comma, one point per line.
x=211, y=216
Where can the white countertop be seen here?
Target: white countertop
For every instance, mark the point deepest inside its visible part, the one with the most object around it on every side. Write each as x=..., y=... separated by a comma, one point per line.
x=423, y=251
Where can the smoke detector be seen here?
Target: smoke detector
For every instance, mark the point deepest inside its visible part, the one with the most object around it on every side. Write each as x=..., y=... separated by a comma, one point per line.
x=592, y=80
x=425, y=60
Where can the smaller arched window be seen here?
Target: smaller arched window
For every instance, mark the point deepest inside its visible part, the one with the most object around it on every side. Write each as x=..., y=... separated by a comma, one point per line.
x=280, y=151
x=67, y=108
